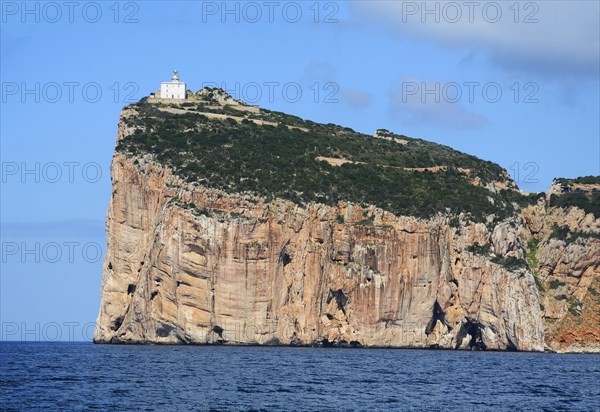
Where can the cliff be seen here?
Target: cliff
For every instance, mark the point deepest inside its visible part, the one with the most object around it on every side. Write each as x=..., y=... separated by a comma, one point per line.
x=563, y=251
x=292, y=248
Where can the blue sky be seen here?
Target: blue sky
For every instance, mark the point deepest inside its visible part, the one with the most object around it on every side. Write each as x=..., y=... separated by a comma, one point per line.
x=432, y=72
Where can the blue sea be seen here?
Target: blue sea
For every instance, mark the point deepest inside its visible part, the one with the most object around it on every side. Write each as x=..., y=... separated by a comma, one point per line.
x=84, y=376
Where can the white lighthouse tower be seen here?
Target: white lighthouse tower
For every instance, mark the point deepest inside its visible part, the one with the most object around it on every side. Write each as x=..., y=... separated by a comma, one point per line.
x=174, y=89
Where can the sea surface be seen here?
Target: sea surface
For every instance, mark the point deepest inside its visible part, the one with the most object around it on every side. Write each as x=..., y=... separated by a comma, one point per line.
x=84, y=376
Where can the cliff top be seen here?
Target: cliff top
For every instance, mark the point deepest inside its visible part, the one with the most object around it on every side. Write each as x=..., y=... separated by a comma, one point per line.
x=222, y=143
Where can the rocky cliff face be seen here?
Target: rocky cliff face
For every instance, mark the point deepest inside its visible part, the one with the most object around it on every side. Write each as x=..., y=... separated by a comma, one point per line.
x=564, y=250
x=187, y=263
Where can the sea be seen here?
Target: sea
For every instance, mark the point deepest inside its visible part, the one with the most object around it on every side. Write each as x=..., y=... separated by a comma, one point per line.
x=38, y=376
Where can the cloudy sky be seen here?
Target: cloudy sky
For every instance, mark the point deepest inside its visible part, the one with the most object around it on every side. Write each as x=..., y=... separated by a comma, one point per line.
x=512, y=82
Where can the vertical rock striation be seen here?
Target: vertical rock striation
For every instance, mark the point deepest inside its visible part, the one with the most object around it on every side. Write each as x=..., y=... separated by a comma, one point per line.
x=187, y=264
x=565, y=247
x=191, y=262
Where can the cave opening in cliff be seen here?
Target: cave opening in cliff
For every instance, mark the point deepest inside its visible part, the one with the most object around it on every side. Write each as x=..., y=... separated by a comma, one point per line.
x=438, y=315
x=218, y=330
x=164, y=330
x=472, y=330
x=286, y=259
x=117, y=323
x=284, y=256
x=326, y=343
x=340, y=299
x=511, y=346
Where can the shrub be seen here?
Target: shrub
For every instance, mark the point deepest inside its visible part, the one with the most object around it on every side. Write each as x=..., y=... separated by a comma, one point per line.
x=563, y=233
x=575, y=308
x=510, y=262
x=480, y=250
x=538, y=283
x=560, y=233
x=454, y=221
x=592, y=180
x=532, y=262
x=366, y=222
x=588, y=202
x=521, y=199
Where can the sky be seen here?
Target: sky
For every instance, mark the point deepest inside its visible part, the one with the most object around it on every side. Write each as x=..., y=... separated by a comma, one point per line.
x=517, y=83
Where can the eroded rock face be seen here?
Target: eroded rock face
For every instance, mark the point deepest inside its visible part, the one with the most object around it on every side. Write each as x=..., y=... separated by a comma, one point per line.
x=568, y=268
x=186, y=264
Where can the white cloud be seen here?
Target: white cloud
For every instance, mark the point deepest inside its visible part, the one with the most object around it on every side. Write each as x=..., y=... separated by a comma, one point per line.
x=356, y=98
x=419, y=109
x=320, y=71
x=564, y=40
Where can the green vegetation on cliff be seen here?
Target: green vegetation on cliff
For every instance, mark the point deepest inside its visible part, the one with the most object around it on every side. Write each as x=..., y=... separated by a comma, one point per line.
x=588, y=202
x=564, y=233
x=276, y=160
x=584, y=180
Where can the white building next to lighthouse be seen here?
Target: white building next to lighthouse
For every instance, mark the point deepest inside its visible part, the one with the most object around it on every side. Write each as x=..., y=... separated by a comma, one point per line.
x=173, y=89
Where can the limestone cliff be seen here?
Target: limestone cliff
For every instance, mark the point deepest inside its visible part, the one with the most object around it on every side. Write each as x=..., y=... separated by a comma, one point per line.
x=564, y=253
x=191, y=263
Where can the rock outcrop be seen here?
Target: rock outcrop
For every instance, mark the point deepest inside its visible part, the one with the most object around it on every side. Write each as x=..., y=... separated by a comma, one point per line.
x=187, y=263
x=565, y=250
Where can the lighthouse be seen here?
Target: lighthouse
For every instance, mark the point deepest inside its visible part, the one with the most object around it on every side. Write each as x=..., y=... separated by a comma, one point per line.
x=174, y=89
